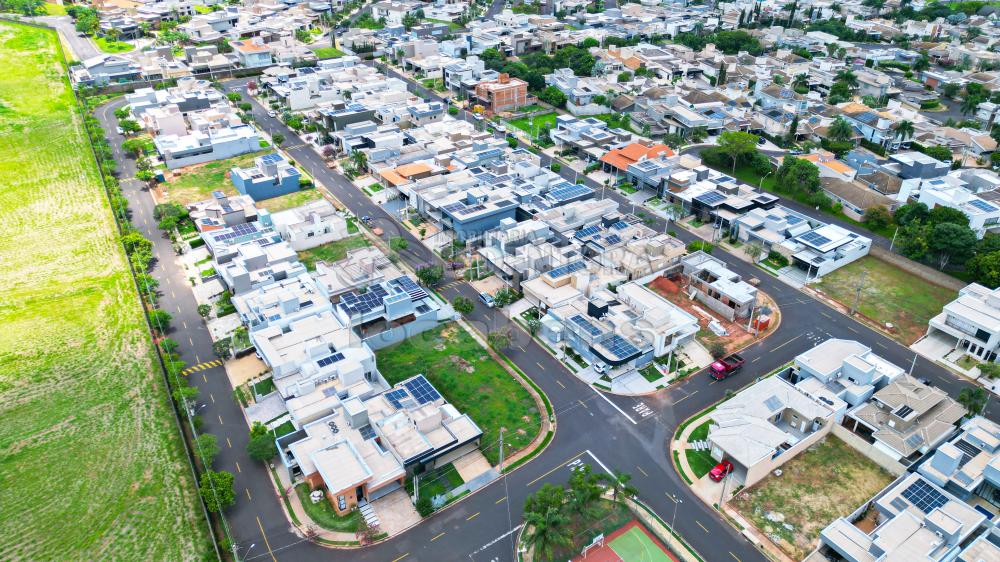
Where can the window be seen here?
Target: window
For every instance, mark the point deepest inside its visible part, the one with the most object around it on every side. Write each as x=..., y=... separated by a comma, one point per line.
x=341, y=503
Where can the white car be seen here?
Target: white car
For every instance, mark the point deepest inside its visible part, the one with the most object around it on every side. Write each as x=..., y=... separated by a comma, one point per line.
x=271, y=114
x=600, y=368
x=487, y=299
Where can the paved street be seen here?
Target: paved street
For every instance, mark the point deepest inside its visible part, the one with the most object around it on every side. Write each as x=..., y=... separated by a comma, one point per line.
x=610, y=428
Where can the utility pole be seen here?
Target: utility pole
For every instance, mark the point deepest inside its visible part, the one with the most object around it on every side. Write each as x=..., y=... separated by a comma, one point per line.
x=913, y=365
x=857, y=294
x=677, y=501
x=510, y=523
x=893, y=241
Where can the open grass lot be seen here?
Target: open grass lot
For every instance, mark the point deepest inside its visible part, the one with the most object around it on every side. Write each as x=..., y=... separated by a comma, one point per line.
x=531, y=127
x=468, y=377
x=827, y=481
x=92, y=463
x=291, y=200
x=334, y=251
x=324, y=53
x=196, y=183
x=889, y=295
x=108, y=46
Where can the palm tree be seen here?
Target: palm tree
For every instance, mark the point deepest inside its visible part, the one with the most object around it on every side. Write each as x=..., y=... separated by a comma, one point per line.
x=546, y=531
x=619, y=482
x=847, y=77
x=904, y=130
x=969, y=104
x=841, y=130
x=974, y=399
x=801, y=81
x=360, y=160
x=583, y=491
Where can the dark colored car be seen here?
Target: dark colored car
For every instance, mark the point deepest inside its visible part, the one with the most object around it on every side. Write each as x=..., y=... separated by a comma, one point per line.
x=720, y=471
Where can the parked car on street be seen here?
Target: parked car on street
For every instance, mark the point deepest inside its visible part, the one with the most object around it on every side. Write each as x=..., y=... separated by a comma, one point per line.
x=487, y=299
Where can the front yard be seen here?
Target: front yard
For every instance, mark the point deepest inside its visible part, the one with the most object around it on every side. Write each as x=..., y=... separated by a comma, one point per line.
x=827, y=481
x=322, y=513
x=468, y=377
x=333, y=251
x=196, y=183
x=889, y=294
x=532, y=125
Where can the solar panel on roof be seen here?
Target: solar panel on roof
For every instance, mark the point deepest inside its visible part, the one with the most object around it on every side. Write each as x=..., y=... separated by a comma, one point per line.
x=814, y=238
x=923, y=496
x=586, y=232
x=613, y=239
x=584, y=324
x=470, y=210
x=330, y=359
x=421, y=390
x=395, y=397
x=454, y=207
x=566, y=269
x=620, y=347
x=620, y=225
x=568, y=192
x=710, y=198
x=415, y=291
x=982, y=205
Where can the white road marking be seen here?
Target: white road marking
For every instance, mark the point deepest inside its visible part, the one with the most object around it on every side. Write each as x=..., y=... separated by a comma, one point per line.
x=613, y=405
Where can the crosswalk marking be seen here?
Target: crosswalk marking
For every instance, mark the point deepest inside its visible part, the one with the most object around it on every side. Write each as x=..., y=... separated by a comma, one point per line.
x=202, y=366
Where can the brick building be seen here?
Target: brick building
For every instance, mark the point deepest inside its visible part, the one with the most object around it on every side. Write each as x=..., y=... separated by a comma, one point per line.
x=503, y=94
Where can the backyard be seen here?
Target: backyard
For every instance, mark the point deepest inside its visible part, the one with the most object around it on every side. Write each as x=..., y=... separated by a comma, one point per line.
x=196, y=183
x=322, y=513
x=888, y=294
x=324, y=53
x=332, y=251
x=112, y=46
x=468, y=377
x=283, y=202
x=827, y=481
x=93, y=465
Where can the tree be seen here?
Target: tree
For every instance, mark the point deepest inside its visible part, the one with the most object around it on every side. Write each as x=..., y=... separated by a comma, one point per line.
x=499, y=339
x=257, y=429
x=624, y=76
x=619, y=482
x=878, y=217
x=160, y=320
x=430, y=275
x=262, y=447
x=985, y=269
x=168, y=346
x=737, y=145
x=129, y=126
x=555, y=167
x=185, y=393
x=911, y=212
x=204, y=310
x=584, y=491
x=589, y=42
x=904, y=130
x=553, y=96
x=217, y=490
x=840, y=130
x=546, y=531
x=974, y=399
x=912, y=240
x=512, y=142
x=424, y=505
x=278, y=139
x=504, y=297
x=717, y=349
x=398, y=243
x=206, y=446
x=941, y=214
x=360, y=161
x=145, y=176
x=938, y=152
x=950, y=90
x=801, y=81
x=797, y=175
x=969, y=104
x=463, y=305
x=134, y=147
x=951, y=241
x=533, y=325
x=222, y=348
x=847, y=77
x=922, y=64
x=990, y=370
x=754, y=250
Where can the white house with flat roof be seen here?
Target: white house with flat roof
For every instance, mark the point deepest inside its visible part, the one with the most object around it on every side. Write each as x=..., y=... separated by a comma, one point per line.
x=849, y=369
x=984, y=215
x=310, y=225
x=968, y=465
x=719, y=288
x=199, y=147
x=281, y=303
x=970, y=322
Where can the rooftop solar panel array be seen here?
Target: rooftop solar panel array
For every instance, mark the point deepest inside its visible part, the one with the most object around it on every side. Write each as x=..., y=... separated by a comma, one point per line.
x=924, y=497
x=237, y=231
x=470, y=210
x=585, y=324
x=364, y=303
x=620, y=347
x=395, y=397
x=330, y=359
x=620, y=225
x=710, y=198
x=814, y=238
x=421, y=390
x=612, y=239
x=568, y=192
x=982, y=205
x=587, y=232
x=415, y=291
x=567, y=269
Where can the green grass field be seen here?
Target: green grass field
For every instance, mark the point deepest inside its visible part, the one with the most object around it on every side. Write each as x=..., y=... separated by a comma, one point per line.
x=112, y=46
x=322, y=513
x=468, y=377
x=93, y=466
x=324, y=53
x=888, y=294
x=635, y=546
x=54, y=9
x=331, y=252
x=196, y=183
x=701, y=461
x=531, y=127
x=296, y=199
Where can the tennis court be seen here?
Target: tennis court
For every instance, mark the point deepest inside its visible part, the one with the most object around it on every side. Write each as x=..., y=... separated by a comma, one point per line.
x=631, y=543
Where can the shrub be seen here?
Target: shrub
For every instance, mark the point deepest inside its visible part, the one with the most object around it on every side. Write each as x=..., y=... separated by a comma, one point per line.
x=777, y=258
x=424, y=506
x=700, y=245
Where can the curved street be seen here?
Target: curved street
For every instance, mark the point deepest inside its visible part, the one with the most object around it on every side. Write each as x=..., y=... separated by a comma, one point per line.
x=593, y=427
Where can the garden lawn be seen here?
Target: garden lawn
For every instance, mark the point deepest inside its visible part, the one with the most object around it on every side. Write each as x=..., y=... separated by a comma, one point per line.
x=889, y=294
x=468, y=377
x=107, y=46
x=437, y=482
x=322, y=513
x=324, y=53
x=332, y=251
x=451, y=25
x=52, y=9
x=701, y=461
x=93, y=467
x=290, y=200
x=827, y=481
x=196, y=183
x=540, y=121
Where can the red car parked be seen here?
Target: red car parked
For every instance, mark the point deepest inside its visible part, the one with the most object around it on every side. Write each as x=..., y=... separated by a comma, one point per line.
x=720, y=471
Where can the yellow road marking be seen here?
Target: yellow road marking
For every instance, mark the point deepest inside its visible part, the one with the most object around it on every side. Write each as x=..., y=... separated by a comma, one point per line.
x=539, y=365
x=569, y=460
x=266, y=543
x=220, y=420
x=786, y=343
x=670, y=496
x=851, y=328
x=685, y=398
x=248, y=494
x=204, y=378
x=734, y=556
x=473, y=516
x=500, y=500
x=642, y=471
x=755, y=359
x=437, y=537
x=238, y=466
x=827, y=315
x=228, y=442
x=210, y=395
x=407, y=554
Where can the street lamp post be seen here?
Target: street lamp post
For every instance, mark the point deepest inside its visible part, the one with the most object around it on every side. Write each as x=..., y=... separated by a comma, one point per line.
x=677, y=501
x=760, y=186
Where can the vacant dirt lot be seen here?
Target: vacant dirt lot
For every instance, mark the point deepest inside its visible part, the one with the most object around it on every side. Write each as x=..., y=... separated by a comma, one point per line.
x=827, y=481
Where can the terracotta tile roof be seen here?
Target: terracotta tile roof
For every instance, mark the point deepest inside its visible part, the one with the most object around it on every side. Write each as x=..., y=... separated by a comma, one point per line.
x=407, y=170
x=248, y=46
x=622, y=158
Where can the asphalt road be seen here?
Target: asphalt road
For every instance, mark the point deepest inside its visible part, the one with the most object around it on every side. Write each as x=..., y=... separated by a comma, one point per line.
x=616, y=432
x=83, y=48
